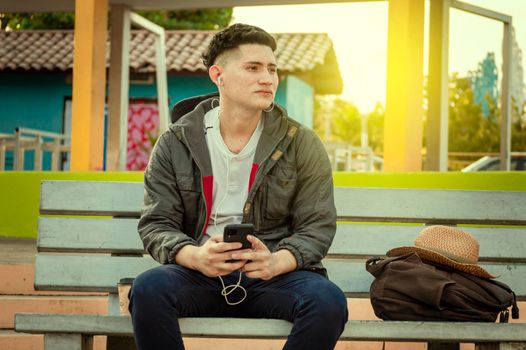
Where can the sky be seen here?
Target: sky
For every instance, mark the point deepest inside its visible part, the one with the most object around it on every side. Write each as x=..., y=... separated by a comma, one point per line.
x=359, y=34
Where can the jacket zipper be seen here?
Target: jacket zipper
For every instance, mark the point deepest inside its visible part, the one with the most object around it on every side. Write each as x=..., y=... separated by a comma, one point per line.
x=248, y=205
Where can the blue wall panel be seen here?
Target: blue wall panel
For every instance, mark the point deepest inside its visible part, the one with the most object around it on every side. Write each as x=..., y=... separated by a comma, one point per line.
x=32, y=100
x=300, y=101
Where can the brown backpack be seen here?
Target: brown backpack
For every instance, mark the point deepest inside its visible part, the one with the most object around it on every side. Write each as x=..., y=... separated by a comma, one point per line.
x=407, y=289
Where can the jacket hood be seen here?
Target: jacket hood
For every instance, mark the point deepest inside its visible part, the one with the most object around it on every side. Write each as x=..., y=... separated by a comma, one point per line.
x=189, y=121
x=187, y=105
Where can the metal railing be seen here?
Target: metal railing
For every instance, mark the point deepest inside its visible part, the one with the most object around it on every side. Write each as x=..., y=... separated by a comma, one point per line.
x=39, y=141
x=350, y=158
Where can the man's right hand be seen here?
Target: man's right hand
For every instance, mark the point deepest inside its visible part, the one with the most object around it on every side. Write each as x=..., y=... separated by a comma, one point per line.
x=210, y=258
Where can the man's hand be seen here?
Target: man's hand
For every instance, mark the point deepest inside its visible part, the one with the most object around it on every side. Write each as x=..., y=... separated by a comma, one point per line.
x=264, y=264
x=210, y=258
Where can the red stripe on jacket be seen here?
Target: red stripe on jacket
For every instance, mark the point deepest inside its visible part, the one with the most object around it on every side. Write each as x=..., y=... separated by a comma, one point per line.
x=208, y=188
x=253, y=171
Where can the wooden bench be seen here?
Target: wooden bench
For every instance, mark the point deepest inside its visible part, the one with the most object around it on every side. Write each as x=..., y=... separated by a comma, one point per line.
x=94, y=252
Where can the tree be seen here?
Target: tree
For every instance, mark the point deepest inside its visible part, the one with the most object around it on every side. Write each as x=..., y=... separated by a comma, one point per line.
x=207, y=19
x=203, y=19
x=518, y=127
x=344, y=120
x=19, y=21
x=375, y=126
x=469, y=129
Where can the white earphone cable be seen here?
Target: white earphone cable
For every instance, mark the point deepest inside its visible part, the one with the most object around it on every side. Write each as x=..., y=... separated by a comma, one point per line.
x=227, y=290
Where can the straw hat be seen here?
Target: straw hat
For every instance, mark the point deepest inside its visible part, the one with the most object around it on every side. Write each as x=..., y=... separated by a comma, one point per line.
x=447, y=246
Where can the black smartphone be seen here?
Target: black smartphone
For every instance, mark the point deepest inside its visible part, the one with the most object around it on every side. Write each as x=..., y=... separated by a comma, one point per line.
x=238, y=233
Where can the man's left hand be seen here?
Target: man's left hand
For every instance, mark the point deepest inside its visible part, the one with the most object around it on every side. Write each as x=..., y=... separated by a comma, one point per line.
x=264, y=264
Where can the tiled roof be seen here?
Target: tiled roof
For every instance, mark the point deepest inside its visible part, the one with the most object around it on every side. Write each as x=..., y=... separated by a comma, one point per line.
x=53, y=50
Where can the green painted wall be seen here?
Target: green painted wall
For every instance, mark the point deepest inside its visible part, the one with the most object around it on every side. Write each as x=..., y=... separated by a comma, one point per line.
x=20, y=191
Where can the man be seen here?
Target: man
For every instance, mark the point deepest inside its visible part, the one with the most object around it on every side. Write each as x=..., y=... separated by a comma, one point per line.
x=238, y=158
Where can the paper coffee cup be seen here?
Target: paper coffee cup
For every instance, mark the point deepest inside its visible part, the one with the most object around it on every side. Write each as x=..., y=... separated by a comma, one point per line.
x=124, y=286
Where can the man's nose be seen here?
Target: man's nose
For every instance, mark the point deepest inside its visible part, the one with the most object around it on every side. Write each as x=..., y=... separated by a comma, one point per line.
x=266, y=78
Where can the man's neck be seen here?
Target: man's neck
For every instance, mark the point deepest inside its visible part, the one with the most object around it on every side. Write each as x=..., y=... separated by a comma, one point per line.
x=237, y=126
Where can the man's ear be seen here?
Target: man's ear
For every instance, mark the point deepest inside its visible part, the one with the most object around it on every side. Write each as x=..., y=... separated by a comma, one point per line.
x=215, y=73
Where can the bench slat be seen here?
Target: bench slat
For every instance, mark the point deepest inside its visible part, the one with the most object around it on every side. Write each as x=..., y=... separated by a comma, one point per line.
x=496, y=243
x=58, y=234
x=265, y=328
x=360, y=204
x=86, y=272
x=101, y=273
x=91, y=198
x=431, y=206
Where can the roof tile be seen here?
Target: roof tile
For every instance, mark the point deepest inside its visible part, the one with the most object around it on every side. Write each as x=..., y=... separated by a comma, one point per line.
x=52, y=50
x=31, y=50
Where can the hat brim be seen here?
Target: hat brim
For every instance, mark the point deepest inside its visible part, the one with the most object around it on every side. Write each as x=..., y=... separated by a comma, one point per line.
x=432, y=256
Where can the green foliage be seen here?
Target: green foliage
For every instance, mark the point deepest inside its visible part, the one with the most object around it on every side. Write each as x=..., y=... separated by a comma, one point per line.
x=345, y=122
x=469, y=129
x=205, y=19
x=19, y=21
x=375, y=126
x=472, y=131
x=518, y=127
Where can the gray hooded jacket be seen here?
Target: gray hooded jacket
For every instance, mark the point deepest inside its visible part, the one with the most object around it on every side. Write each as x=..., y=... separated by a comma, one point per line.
x=290, y=201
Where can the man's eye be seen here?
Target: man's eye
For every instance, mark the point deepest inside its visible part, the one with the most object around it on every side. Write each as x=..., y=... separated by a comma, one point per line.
x=273, y=70
x=253, y=68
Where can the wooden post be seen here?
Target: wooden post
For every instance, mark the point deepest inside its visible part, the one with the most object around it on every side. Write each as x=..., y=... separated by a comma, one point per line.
x=18, y=152
x=505, y=120
x=118, y=89
x=438, y=112
x=38, y=153
x=2, y=153
x=55, y=155
x=403, y=114
x=505, y=102
x=89, y=85
x=162, y=83
x=160, y=67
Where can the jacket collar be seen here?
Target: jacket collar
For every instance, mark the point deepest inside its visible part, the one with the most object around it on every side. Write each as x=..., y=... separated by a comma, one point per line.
x=190, y=129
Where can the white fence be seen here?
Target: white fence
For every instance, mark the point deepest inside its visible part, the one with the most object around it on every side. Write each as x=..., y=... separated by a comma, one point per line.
x=32, y=140
x=349, y=158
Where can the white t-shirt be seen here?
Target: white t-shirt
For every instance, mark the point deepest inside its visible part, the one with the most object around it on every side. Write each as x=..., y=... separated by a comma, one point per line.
x=231, y=175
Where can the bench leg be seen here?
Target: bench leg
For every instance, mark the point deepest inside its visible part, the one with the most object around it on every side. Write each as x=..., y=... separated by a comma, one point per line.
x=68, y=342
x=120, y=343
x=443, y=346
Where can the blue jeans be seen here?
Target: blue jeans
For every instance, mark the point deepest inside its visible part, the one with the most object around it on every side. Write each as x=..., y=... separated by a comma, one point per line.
x=316, y=306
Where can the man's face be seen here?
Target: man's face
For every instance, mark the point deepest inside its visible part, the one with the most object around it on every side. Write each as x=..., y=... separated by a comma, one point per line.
x=250, y=77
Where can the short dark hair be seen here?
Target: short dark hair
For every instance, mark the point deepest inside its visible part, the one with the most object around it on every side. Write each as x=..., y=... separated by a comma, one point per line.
x=234, y=36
